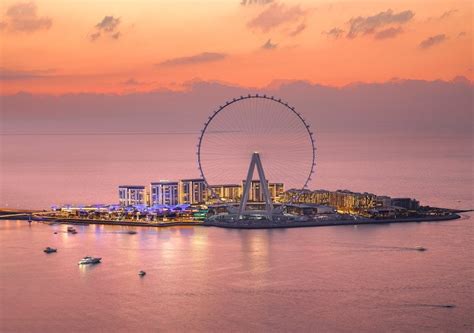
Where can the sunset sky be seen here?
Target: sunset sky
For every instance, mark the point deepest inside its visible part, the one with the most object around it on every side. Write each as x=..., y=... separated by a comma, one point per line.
x=94, y=94
x=57, y=47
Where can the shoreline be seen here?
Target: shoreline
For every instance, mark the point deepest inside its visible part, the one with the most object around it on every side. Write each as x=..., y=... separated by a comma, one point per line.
x=328, y=223
x=240, y=225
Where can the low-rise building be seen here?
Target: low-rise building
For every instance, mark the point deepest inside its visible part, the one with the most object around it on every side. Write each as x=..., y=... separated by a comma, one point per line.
x=256, y=192
x=407, y=203
x=343, y=201
x=227, y=192
x=164, y=192
x=130, y=195
x=192, y=191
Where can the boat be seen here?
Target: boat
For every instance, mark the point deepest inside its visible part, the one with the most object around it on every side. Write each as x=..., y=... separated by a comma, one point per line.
x=50, y=250
x=420, y=248
x=71, y=229
x=89, y=260
x=132, y=232
x=74, y=232
x=142, y=273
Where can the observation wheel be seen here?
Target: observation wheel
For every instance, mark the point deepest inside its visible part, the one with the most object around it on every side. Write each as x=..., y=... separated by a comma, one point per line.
x=256, y=125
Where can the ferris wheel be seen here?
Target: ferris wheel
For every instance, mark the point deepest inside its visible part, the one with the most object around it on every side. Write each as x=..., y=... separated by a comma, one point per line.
x=251, y=128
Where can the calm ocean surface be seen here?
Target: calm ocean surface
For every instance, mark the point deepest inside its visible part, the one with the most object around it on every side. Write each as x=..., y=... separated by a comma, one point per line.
x=327, y=279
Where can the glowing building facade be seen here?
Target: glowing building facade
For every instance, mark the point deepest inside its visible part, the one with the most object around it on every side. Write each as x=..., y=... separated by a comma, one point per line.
x=342, y=200
x=192, y=191
x=130, y=195
x=256, y=193
x=227, y=192
x=164, y=192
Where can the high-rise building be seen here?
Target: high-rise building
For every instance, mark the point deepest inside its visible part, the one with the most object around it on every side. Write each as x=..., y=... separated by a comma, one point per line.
x=192, y=191
x=130, y=195
x=164, y=192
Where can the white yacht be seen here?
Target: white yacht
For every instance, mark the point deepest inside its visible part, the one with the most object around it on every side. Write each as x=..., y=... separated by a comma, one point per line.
x=89, y=260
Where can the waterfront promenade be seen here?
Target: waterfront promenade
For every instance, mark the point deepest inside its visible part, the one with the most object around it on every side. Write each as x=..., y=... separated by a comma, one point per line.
x=241, y=224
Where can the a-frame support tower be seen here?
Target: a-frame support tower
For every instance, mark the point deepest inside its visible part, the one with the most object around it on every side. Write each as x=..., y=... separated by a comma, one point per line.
x=256, y=162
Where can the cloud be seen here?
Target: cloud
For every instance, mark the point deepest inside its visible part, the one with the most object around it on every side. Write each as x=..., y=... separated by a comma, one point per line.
x=388, y=33
x=276, y=15
x=334, y=32
x=194, y=59
x=16, y=75
x=432, y=41
x=462, y=34
x=107, y=27
x=23, y=17
x=94, y=36
x=370, y=24
x=108, y=24
x=255, y=2
x=448, y=14
x=269, y=45
x=133, y=82
x=298, y=30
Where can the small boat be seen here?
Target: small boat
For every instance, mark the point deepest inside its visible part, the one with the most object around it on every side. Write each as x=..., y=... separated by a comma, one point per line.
x=89, y=260
x=420, y=248
x=142, y=273
x=71, y=229
x=55, y=232
x=50, y=250
x=132, y=232
x=74, y=232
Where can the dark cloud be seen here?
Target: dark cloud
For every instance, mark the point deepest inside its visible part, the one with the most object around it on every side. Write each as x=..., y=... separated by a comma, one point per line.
x=194, y=59
x=388, y=33
x=255, y=2
x=269, y=45
x=298, y=30
x=432, y=41
x=108, y=24
x=132, y=82
x=334, y=32
x=107, y=27
x=23, y=17
x=277, y=15
x=370, y=24
x=16, y=75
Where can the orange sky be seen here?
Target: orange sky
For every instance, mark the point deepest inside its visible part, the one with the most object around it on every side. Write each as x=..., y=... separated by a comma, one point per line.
x=47, y=47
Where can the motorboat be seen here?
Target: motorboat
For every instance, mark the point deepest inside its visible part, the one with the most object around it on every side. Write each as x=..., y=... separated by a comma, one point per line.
x=89, y=260
x=420, y=248
x=142, y=273
x=50, y=250
x=132, y=232
x=71, y=229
